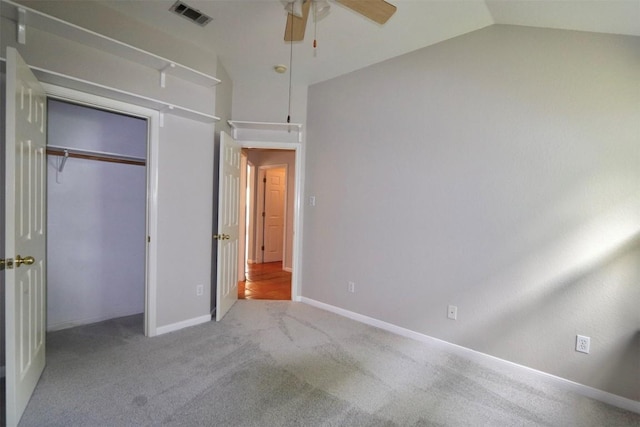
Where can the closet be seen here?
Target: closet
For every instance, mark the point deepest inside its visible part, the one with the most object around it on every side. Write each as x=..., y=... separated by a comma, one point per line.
x=96, y=244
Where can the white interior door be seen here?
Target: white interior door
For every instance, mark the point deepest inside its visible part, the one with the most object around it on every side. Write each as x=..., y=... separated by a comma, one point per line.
x=228, y=226
x=25, y=234
x=274, y=213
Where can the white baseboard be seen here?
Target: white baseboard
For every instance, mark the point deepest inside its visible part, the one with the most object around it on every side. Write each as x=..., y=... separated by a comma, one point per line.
x=476, y=356
x=183, y=324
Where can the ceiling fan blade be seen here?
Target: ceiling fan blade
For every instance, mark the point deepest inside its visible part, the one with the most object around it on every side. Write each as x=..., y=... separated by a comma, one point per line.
x=294, y=31
x=377, y=10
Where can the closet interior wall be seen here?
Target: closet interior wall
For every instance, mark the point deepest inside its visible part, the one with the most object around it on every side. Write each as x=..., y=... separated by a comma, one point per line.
x=96, y=217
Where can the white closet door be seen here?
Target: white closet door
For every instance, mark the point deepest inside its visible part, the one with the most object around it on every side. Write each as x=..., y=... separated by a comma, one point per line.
x=26, y=221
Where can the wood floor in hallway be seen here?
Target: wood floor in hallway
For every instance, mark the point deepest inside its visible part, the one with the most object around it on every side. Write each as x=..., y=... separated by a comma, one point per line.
x=266, y=281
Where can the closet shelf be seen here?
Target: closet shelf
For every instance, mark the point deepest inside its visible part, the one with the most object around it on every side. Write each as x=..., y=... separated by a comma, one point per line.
x=53, y=25
x=239, y=125
x=59, y=79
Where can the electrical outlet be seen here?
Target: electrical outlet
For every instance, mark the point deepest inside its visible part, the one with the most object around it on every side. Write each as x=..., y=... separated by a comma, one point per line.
x=452, y=312
x=583, y=343
x=200, y=290
x=351, y=287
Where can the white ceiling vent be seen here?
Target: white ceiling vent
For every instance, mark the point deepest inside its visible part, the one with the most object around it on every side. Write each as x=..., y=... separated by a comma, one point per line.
x=190, y=13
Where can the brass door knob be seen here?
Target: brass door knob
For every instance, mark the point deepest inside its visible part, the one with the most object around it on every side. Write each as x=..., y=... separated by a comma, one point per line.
x=28, y=260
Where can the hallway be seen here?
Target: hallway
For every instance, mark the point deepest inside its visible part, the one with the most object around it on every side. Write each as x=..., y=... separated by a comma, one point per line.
x=266, y=281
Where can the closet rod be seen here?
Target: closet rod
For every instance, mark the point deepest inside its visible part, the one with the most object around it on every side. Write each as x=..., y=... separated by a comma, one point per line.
x=94, y=155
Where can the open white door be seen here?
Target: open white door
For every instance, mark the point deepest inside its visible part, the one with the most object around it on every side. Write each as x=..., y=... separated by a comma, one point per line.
x=228, y=226
x=26, y=221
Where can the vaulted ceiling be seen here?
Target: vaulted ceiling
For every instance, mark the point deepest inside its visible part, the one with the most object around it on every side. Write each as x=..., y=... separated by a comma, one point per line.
x=248, y=35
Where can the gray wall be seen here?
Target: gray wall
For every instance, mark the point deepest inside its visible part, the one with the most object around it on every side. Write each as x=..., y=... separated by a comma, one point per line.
x=96, y=227
x=497, y=172
x=185, y=209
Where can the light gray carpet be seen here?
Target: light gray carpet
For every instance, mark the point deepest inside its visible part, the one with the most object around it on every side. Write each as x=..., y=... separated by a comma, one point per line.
x=286, y=364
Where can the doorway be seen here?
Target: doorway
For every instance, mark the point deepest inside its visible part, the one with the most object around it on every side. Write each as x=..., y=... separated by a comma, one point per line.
x=148, y=208
x=266, y=265
x=96, y=214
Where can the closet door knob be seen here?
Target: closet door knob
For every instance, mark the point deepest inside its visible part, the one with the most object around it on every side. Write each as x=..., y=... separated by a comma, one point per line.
x=28, y=260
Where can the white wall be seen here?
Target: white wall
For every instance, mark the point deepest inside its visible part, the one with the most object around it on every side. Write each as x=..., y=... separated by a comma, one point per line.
x=498, y=172
x=267, y=100
x=105, y=20
x=96, y=218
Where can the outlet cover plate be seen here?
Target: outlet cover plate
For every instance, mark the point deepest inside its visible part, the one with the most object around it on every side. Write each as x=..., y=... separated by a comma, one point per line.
x=583, y=344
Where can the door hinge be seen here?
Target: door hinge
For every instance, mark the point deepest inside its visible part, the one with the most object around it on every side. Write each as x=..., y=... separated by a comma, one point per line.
x=263, y=214
x=148, y=239
x=264, y=179
x=262, y=248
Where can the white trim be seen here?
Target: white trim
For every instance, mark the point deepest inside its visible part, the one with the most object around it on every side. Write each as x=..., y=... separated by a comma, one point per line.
x=153, y=136
x=297, y=205
x=476, y=356
x=183, y=324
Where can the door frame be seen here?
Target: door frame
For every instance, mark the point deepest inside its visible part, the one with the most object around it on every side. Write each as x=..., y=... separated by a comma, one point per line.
x=262, y=173
x=298, y=205
x=153, y=136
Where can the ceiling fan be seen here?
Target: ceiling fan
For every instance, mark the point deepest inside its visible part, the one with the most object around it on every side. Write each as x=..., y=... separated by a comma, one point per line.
x=377, y=10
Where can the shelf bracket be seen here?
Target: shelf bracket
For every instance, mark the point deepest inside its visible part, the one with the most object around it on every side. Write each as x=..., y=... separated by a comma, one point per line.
x=167, y=108
x=64, y=161
x=163, y=74
x=22, y=26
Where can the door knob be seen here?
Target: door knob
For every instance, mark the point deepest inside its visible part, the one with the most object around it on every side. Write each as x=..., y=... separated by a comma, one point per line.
x=28, y=260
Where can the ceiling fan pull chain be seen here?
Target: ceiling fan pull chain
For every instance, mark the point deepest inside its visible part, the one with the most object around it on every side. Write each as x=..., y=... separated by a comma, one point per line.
x=290, y=72
x=315, y=27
